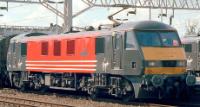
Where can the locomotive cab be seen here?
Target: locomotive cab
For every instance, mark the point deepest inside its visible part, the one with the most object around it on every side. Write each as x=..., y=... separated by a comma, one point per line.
x=162, y=52
x=158, y=57
x=164, y=59
x=191, y=44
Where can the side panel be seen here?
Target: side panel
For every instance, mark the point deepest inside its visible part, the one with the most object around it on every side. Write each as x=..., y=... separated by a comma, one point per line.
x=192, y=57
x=132, y=57
x=105, y=59
x=117, y=53
x=16, y=61
x=133, y=62
x=11, y=64
x=2, y=55
x=198, y=55
x=120, y=61
x=82, y=61
x=101, y=57
x=22, y=57
x=4, y=48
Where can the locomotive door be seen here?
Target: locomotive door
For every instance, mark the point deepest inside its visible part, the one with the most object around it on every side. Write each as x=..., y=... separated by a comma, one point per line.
x=14, y=55
x=117, y=50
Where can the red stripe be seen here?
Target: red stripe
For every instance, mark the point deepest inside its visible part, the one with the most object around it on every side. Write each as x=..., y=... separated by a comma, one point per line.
x=60, y=67
x=64, y=71
x=61, y=62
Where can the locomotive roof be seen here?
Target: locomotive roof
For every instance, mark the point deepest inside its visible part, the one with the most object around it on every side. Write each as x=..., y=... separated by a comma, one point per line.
x=189, y=39
x=146, y=25
x=22, y=36
x=7, y=37
x=141, y=25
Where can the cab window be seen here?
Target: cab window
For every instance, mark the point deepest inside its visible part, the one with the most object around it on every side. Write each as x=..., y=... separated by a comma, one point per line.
x=169, y=38
x=13, y=47
x=148, y=38
x=188, y=47
x=158, y=38
x=23, y=49
x=129, y=41
x=199, y=46
x=100, y=45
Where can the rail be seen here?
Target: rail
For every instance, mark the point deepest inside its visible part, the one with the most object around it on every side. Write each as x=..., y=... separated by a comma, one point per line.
x=17, y=101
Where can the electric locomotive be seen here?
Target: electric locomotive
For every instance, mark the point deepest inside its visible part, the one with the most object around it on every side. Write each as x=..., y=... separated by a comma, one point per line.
x=130, y=61
x=191, y=44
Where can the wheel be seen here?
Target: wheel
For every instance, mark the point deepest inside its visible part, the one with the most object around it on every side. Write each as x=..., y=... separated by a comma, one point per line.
x=128, y=96
x=94, y=93
x=38, y=82
x=128, y=93
x=44, y=89
x=16, y=80
x=23, y=87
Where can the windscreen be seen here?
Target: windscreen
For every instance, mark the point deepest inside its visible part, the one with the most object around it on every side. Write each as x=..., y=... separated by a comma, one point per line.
x=157, y=38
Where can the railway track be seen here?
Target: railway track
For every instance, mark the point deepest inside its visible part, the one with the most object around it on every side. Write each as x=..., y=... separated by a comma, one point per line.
x=9, y=101
x=15, y=98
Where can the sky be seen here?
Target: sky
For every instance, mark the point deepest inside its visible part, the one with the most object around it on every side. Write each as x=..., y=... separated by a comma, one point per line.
x=37, y=15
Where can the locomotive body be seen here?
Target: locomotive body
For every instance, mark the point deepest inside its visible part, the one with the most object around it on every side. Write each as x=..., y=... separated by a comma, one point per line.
x=192, y=49
x=126, y=61
x=4, y=45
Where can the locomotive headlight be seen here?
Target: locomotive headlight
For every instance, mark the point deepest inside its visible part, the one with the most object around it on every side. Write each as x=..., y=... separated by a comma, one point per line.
x=181, y=63
x=153, y=63
x=190, y=80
